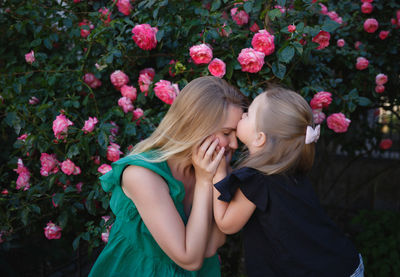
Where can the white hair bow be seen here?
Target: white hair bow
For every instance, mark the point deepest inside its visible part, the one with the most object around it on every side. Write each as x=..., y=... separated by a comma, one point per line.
x=312, y=135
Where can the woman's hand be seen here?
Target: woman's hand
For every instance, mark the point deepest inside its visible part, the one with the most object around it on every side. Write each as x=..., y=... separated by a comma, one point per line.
x=204, y=161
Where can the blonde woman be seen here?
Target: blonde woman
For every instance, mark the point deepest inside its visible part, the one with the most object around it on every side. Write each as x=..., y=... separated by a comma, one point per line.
x=162, y=191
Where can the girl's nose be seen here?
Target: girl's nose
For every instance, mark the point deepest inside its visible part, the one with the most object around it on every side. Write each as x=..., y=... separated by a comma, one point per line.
x=233, y=144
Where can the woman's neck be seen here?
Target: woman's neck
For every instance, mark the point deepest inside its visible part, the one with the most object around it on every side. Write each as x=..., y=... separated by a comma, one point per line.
x=182, y=170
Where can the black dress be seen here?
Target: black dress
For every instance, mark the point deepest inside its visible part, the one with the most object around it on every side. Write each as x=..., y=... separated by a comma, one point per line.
x=288, y=234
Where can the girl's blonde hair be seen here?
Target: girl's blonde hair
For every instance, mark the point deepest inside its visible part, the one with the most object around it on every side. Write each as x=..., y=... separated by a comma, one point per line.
x=198, y=111
x=283, y=115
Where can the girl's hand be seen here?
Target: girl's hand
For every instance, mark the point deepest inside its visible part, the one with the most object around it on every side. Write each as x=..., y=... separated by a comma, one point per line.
x=204, y=161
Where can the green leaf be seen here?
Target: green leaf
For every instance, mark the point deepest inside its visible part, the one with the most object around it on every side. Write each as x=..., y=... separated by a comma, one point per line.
x=24, y=216
x=215, y=5
x=47, y=43
x=35, y=208
x=272, y=14
x=103, y=139
x=130, y=129
x=281, y=3
x=75, y=243
x=298, y=47
x=229, y=71
x=364, y=101
x=279, y=70
x=248, y=6
x=286, y=54
x=159, y=35
x=73, y=151
x=330, y=25
x=36, y=42
x=67, y=22
x=58, y=198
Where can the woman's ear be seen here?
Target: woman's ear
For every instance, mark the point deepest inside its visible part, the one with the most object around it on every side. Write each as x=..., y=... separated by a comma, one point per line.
x=260, y=140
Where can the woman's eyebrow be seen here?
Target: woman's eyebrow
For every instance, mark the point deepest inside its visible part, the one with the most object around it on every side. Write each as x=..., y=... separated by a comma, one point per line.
x=229, y=128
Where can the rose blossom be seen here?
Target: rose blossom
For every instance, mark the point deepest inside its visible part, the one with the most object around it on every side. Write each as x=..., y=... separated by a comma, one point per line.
x=30, y=57
x=322, y=39
x=119, y=78
x=113, y=152
x=217, y=68
x=85, y=31
x=263, y=42
x=383, y=34
x=126, y=104
x=357, y=45
x=381, y=79
x=362, y=63
x=166, y=91
x=335, y=17
x=79, y=187
x=338, y=122
x=89, y=124
x=240, y=17
x=385, y=144
x=23, y=176
x=254, y=28
x=22, y=137
x=60, y=126
x=49, y=164
x=104, y=168
x=324, y=9
x=280, y=8
x=367, y=1
x=137, y=113
x=146, y=77
x=251, y=60
x=91, y=80
x=105, y=15
x=291, y=28
x=145, y=36
x=4, y=192
x=129, y=92
x=318, y=116
x=33, y=101
x=52, y=231
x=367, y=8
x=379, y=88
x=201, y=54
x=105, y=235
x=321, y=100
x=124, y=6
x=68, y=167
x=371, y=25
x=340, y=42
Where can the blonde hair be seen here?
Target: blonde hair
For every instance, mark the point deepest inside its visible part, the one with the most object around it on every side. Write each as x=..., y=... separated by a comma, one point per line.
x=283, y=116
x=198, y=111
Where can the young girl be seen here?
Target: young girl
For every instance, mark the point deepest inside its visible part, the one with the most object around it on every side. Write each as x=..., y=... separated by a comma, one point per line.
x=285, y=231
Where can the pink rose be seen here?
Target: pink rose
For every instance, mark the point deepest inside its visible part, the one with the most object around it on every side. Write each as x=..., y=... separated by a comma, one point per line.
x=201, y=54
x=104, y=168
x=91, y=80
x=137, y=113
x=119, y=78
x=291, y=28
x=251, y=60
x=68, y=167
x=129, y=92
x=381, y=79
x=338, y=122
x=114, y=131
x=85, y=31
x=385, y=144
x=145, y=36
x=146, y=77
x=113, y=152
x=105, y=235
x=33, y=101
x=4, y=192
x=89, y=125
x=60, y=126
x=280, y=8
x=362, y=63
x=383, y=34
x=217, y=68
x=30, y=57
x=324, y=9
x=52, y=231
x=79, y=187
x=149, y=71
x=321, y=100
x=335, y=17
x=379, y=88
x=22, y=137
x=322, y=39
x=318, y=116
x=371, y=25
x=240, y=17
x=49, y=164
x=166, y=91
x=23, y=176
x=124, y=6
x=357, y=45
x=263, y=42
x=254, y=28
x=126, y=104
x=367, y=1
x=105, y=15
x=95, y=159
x=367, y=8
x=340, y=42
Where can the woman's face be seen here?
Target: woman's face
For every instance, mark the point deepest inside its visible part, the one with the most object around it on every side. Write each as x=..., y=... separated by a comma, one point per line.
x=227, y=134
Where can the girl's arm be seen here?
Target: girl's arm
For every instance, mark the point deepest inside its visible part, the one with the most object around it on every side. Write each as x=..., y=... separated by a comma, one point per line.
x=217, y=239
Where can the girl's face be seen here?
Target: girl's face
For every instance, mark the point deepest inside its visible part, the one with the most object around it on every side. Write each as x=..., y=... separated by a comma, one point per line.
x=227, y=134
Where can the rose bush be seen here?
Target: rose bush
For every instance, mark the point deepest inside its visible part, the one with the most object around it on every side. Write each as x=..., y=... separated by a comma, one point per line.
x=84, y=81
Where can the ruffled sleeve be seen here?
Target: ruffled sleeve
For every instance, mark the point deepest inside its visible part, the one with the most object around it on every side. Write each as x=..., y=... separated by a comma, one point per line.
x=251, y=182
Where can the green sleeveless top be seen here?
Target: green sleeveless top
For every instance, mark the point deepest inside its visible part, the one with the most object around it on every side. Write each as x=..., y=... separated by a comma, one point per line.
x=131, y=249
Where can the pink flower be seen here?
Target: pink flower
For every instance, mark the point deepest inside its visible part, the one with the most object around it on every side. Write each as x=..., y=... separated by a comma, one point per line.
x=357, y=45
x=263, y=42
x=60, y=126
x=91, y=80
x=240, y=17
x=119, y=78
x=217, y=68
x=124, y=6
x=22, y=137
x=318, y=116
x=383, y=34
x=362, y=63
x=381, y=79
x=254, y=28
x=379, y=88
x=367, y=8
x=251, y=60
x=146, y=77
x=129, y=92
x=4, y=192
x=49, y=164
x=68, y=167
x=113, y=152
x=166, y=91
x=321, y=100
x=338, y=122
x=340, y=42
x=137, y=113
x=280, y=8
x=149, y=71
x=105, y=15
x=324, y=9
x=126, y=104
x=292, y=28
x=52, y=231
x=104, y=168
x=114, y=131
x=79, y=187
x=33, y=101
x=201, y=54
x=89, y=124
x=322, y=39
x=385, y=144
x=85, y=31
x=145, y=36
x=30, y=57
x=96, y=159
x=23, y=176
x=367, y=1
x=105, y=235
x=371, y=25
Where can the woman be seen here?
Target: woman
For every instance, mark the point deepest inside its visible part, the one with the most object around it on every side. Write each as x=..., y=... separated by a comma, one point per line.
x=161, y=193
